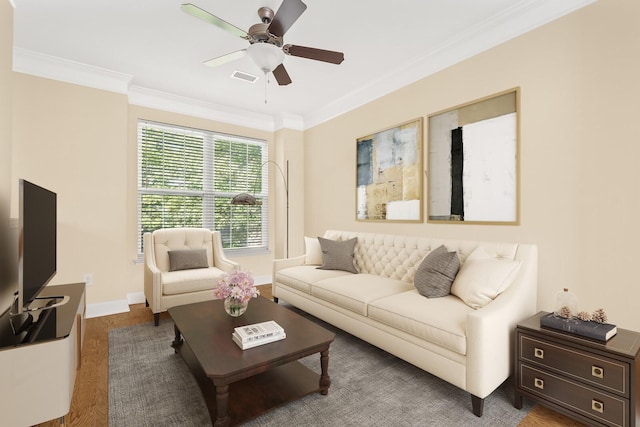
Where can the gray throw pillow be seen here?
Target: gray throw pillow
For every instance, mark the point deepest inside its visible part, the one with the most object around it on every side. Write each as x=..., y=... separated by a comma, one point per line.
x=436, y=273
x=187, y=259
x=338, y=255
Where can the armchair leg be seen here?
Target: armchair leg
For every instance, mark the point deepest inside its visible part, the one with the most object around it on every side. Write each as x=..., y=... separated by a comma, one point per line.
x=146, y=303
x=478, y=405
x=275, y=299
x=156, y=318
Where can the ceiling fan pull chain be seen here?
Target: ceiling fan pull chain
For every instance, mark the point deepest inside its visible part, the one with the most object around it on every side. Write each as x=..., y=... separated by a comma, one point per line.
x=266, y=80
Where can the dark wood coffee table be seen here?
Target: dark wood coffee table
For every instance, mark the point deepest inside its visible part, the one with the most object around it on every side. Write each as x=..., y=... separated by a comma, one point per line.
x=241, y=384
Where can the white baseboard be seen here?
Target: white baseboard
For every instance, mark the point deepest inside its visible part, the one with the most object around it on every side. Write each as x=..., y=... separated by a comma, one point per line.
x=107, y=308
x=262, y=280
x=136, y=297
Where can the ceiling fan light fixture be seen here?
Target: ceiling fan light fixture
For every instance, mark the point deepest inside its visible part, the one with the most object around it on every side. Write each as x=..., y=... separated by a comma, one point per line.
x=266, y=56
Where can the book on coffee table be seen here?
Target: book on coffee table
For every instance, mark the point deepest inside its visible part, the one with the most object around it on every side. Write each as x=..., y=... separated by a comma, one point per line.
x=256, y=343
x=258, y=331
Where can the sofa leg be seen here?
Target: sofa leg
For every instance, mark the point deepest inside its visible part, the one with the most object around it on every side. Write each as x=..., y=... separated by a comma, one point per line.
x=156, y=318
x=275, y=299
x=478, y=405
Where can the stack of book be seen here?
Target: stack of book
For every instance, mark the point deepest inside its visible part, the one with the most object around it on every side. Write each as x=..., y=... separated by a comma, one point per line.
x=250, y=336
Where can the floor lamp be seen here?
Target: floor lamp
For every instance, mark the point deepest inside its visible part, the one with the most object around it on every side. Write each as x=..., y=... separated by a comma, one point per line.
x=250, y=200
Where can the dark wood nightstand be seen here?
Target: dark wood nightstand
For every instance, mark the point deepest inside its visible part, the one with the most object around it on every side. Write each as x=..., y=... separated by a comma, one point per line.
x=590, y=381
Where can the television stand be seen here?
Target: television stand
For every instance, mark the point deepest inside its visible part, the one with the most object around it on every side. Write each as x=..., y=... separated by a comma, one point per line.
x=40, y=363
x=46, y=303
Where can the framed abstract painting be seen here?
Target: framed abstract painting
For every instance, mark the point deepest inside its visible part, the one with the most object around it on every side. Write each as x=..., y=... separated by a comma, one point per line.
x=389, y=174
x=473, y=162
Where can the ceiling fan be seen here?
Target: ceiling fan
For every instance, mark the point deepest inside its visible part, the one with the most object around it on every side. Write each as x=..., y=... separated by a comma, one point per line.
x=266, y=45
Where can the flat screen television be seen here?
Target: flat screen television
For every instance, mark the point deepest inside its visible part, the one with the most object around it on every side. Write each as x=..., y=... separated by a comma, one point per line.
x=37, y=242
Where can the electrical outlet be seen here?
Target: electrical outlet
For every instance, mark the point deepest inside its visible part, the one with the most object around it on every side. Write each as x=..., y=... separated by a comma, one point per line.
x=88, y=279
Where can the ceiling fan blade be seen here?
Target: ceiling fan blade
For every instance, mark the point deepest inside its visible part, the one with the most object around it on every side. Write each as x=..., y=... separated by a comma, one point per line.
x=281, y=75
x=226, y=58
x=313, y=53
x=194, y=10
x=287, y=14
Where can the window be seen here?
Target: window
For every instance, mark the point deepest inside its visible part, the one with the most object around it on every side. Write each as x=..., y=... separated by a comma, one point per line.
x=187, y=178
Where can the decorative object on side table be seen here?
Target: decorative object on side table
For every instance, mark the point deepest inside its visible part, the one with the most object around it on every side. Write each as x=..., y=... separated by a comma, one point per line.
x=566, y=303
x=567, y=318
x=594, y=328
x=236, y=288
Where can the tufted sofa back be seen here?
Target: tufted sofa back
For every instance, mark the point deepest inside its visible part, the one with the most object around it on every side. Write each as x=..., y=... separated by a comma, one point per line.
x=398, y=257
x=171, y=239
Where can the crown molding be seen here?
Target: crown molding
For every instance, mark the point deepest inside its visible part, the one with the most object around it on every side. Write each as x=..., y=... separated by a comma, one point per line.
x=51, y=67
x=289, y=121
x=192, y=107
x=55, y=68
x=521, y=18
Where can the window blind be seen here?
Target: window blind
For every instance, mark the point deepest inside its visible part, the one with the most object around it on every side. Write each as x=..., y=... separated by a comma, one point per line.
x=187, y=178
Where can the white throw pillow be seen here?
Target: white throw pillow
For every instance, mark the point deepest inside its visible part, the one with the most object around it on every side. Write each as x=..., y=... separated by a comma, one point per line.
x=482, y=278
x=313, y=252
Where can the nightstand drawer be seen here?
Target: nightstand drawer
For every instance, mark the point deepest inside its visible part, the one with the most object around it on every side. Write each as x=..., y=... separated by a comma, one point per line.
x=603, y=372
x=605, y=408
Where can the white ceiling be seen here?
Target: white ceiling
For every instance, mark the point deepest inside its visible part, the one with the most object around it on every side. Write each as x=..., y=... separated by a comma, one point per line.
x=158, y=49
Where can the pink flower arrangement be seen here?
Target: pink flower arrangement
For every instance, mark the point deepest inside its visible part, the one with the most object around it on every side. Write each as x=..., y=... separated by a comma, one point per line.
x=237, y=285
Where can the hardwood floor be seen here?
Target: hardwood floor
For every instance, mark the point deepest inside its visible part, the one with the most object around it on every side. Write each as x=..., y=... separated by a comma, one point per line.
x=90, y=404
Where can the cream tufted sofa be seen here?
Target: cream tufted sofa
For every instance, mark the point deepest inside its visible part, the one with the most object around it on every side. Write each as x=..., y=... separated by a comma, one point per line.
x=470, y=348
x=163, y=288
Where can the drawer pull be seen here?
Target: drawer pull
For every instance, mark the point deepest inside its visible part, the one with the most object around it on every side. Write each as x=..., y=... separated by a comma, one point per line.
x=538, y=383
x=597, y=371
x=538, y=352
x=597, y=406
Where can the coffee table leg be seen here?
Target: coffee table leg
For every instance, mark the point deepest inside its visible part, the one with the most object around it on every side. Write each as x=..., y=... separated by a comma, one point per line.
x=222, y=399
x=177, y=341
x=325, y=380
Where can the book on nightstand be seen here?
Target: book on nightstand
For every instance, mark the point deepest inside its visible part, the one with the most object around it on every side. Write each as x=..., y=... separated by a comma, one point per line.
x=588, y=329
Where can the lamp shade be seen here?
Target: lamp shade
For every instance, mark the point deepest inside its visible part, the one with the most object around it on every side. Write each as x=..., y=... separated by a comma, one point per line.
x=244, y=199
x=266, y=56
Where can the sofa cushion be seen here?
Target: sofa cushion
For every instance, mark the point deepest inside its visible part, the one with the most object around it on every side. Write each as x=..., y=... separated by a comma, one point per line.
x=436, y=272
x=338, y=255
x=187, y=259
x=355, y=292
x=441, y=321
x=313, y=251
x=182, y=281
x=482, y=278
x=302, y=277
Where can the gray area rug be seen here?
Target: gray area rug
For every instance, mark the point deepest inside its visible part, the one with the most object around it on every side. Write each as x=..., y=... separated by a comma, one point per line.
x=150, y=385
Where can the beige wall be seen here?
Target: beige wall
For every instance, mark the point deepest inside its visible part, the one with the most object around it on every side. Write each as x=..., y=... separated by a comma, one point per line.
x=6, y=53
x=290, y=146
x=73, y=140
x=579, y=154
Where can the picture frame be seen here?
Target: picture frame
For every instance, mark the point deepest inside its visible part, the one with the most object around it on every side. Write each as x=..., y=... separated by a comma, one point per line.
x=473, y=162
x=389, y=174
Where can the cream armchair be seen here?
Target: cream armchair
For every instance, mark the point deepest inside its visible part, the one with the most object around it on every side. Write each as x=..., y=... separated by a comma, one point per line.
x=182, y=266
